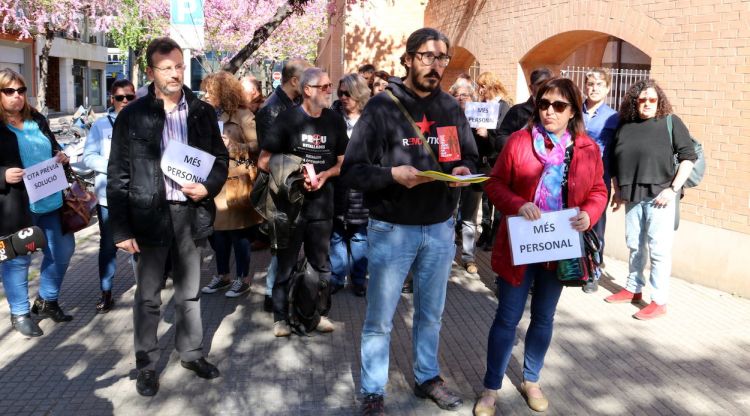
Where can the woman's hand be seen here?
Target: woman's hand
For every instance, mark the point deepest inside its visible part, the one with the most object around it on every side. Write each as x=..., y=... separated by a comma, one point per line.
x=13, y=175
x=61, y=157
x=665, y=198
x=530, y=211
x=581, y=222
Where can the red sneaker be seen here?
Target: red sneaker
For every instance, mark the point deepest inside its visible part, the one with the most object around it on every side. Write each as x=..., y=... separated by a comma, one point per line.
x=653, y=310
x=624, y=296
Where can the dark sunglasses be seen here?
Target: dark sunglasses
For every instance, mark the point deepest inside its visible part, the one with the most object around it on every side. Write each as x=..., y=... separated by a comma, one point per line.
x=344, y=94
x=119, y=98
x=11, y=91
x=650, y=100
x=558, y=106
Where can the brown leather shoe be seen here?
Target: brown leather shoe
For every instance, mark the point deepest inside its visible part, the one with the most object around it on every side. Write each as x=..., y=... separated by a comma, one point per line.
x=435, y=390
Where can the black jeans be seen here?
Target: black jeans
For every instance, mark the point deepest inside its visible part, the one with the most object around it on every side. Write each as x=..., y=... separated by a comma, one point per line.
x=316, y=236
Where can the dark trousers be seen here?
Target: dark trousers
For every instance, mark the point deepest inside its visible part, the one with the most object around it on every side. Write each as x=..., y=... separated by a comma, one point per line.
x=601, y=225
x=316, y=236
x=186, y=258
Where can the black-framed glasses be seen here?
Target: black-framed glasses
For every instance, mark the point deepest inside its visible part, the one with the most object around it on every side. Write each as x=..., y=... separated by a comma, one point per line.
x=323, y=87
x=342, y=93
x=428, y=58
x=119, y=98
x=11, y=91
x=558, y=106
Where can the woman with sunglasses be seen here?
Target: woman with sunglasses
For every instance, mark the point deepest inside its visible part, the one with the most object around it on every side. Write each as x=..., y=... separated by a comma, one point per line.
x=548, y=166
x=25, y=140
x=348, y=252
x=96, y=157
x=645, y=181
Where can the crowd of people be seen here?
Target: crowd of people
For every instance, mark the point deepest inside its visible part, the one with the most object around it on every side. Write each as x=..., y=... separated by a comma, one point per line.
x=340, y=183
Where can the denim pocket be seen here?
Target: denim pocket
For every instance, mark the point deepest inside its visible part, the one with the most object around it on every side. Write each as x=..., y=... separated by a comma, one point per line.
x=380, y=226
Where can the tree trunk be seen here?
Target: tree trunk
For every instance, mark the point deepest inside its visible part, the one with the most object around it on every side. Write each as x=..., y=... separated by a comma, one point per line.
x=263, y=32
x=41, y=94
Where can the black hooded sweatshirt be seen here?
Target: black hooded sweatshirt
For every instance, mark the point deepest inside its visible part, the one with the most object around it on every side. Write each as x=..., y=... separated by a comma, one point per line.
x=384, y=138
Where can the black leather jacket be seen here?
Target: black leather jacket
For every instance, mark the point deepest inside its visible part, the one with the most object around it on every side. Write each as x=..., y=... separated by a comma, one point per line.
x=277, y=102
x=136, y=193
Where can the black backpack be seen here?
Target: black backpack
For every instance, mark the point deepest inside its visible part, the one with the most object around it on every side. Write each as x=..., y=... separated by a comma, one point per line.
x=308, y=298
x=699, y=167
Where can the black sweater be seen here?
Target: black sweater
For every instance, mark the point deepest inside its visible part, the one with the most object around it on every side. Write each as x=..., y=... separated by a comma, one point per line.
x=641, y=157
x=384, y=138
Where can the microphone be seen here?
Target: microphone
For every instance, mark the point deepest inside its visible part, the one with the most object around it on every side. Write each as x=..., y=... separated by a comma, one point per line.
x=23, y=242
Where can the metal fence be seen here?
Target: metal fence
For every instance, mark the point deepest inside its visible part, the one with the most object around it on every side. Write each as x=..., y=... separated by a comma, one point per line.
x=621, y=80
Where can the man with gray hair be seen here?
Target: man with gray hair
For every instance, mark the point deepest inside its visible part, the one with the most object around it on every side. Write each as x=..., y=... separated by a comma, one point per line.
x=318, y=135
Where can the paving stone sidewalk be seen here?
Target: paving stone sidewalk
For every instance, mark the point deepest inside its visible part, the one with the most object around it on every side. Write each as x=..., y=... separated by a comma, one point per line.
x=694, y=361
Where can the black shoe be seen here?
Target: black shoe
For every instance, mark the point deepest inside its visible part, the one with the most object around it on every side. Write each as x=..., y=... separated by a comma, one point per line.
x=202, y=368
x=359, y=290
x=106, y=303
x=49, y=309
x=373, y=405
x=336, y=288
x=436, y=391
x=25, y=325
x=591, y=286
x=408, y=287
x=147, y=383
x=268, y=304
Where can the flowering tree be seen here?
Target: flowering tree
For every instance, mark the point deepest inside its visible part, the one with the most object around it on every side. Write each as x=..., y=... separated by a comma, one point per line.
x=46, y=17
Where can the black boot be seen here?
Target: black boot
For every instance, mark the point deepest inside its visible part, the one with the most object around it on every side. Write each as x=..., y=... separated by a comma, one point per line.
x=25, y=325
x=106, y=303
x=49, y=309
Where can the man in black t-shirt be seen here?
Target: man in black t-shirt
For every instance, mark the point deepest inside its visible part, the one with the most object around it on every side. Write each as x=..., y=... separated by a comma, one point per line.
x=317, y=135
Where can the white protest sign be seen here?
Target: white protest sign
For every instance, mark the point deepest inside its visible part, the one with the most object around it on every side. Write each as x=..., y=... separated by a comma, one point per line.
x=44, y=179
x=482, y=115
x=549, y=238
x=185, y=164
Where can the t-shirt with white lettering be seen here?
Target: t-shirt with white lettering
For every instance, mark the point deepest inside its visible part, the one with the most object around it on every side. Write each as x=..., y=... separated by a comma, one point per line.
x=317, y=140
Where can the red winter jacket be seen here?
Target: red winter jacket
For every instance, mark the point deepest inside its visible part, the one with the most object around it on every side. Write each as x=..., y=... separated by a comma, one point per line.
x=513, y=182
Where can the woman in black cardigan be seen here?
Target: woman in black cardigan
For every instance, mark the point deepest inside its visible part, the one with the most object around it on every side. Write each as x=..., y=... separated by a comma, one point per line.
x=25, y=139
x=647, y=182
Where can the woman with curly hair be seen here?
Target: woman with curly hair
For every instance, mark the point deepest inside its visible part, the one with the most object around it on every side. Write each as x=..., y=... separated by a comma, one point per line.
x=645, y=180
x=233, y=215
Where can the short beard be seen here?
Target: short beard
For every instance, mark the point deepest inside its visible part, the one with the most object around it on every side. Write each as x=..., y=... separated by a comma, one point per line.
x=424, y=88
x=164, y=89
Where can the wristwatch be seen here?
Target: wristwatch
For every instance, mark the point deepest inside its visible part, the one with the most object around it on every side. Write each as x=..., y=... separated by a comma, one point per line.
x=675, y=190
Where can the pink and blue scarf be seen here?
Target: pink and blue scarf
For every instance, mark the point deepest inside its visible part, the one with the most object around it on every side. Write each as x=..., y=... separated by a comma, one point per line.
x=548, y=195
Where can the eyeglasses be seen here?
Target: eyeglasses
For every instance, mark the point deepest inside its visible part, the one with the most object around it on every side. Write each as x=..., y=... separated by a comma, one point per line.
x=558, y=106
x=428, y=58
x=324, y=87
x=119, y=98
x=651, y=100
x=177, y=68
x=341, y=93
x=10, y=91
x=462, y=96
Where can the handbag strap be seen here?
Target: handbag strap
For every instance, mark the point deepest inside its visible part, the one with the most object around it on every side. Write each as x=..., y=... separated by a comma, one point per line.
x=417, y=130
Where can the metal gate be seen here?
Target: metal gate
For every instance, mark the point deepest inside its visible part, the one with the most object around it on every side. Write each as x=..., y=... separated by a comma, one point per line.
x=621, y=80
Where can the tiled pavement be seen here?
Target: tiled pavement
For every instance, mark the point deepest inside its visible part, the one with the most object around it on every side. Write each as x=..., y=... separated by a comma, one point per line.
x=696, y=360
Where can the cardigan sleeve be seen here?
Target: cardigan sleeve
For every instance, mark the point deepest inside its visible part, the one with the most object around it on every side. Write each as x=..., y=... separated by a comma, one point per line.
x=682, y=143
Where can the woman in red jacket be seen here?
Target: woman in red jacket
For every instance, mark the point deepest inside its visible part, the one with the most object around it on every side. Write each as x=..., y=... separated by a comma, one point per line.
x=548, y=166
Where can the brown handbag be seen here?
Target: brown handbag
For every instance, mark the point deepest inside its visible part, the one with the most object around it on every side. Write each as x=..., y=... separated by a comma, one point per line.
x=239, y=184
x=78, y=203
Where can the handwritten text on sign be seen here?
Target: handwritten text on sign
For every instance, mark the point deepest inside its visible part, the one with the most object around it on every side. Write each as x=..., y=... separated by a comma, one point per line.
x=482, y=115
x=185, y=164
x=44, y=179
x=549, y=238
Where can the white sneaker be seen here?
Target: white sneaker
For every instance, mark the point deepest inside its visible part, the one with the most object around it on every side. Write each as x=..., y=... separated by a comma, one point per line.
x=325, y=325
x=281, y=329
x=238, y=287
x=215, y=285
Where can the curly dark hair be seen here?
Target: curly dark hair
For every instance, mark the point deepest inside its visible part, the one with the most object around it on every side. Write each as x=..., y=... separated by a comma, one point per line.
x=629, y=105
x=226, y=89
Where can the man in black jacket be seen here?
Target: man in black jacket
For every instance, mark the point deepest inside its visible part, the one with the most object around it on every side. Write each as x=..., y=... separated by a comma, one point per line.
x=411, y=216
x=151, y=214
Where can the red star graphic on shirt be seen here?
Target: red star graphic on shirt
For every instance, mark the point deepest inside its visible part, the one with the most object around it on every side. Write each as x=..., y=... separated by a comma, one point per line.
x=424, y=125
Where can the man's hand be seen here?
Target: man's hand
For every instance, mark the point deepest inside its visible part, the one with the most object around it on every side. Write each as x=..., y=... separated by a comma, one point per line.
x=482, y=132
x=406, y=175
x=195, y=191
x=617, y=201
x=459, y=170
x=129, y=245
x=322, y=178
x=13, y=175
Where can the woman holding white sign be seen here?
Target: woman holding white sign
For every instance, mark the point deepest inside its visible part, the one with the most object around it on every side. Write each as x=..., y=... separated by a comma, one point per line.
x=26, y=140
x=548, y=166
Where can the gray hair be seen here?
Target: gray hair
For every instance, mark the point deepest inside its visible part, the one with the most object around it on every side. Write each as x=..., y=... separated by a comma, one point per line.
x=309, y=77
x=357, y=86
x=463, y=83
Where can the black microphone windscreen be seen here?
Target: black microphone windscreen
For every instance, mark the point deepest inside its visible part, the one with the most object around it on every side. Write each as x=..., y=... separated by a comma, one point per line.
x=28, y=240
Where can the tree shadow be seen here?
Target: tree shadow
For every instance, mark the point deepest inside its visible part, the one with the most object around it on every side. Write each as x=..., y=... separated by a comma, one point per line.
x=371, y=45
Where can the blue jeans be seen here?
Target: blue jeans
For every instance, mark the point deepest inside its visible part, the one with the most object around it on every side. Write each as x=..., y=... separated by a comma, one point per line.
x=107, y=250
x=348, y=253
x=394, y=250
x=57, y=256
x=511, y=304
x=649, y=227
x=222, y=242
